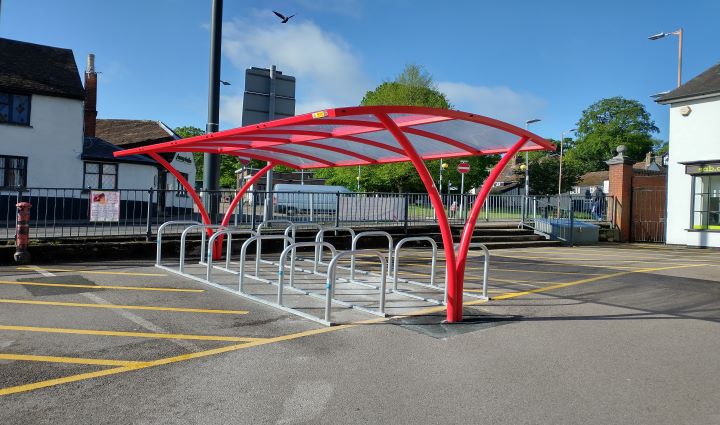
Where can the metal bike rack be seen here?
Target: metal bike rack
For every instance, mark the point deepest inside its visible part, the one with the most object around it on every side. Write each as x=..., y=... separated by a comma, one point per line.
x=158, y=255
x=486, y=267
x=228, y=250
x=320, y=237
x=396, y=265
x=268, y=223
x=332, y=272
x=292, y=249
x=183, y=237
x=243, y=253
x=370, y=233
x=292, y=229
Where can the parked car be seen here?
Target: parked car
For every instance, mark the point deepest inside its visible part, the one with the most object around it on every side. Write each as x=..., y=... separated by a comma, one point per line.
x=298, y=198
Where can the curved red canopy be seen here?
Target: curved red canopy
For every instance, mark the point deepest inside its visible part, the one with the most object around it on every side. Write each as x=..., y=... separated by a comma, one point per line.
x=356, y=136
x=365, y=135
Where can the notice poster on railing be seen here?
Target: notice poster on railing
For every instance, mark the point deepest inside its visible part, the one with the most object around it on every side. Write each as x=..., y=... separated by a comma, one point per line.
x=104, y=206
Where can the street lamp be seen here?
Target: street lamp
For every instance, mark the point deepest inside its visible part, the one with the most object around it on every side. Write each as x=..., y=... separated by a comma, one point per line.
x=679, y=33
x=527, y=164
x=358, y=179
x=562, y=140
x=443, y=166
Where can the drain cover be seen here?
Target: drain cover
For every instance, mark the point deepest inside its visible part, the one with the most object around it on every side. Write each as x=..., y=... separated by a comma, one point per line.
x=433, y=324
x=44, y=291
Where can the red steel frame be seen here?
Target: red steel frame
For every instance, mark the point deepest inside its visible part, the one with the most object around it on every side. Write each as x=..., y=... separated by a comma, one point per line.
x=253, y=135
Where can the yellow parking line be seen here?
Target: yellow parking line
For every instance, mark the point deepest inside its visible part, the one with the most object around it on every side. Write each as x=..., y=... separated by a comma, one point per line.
x=127, y=334
x=125, y=307
x=91, y=271
x=544, y=272
x=490, y=291
x=77, y=285
x=588, y=280
x=74, y=360
x=235, y=347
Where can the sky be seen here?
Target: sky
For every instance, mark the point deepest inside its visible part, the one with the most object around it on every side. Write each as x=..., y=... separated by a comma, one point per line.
x=513, y=60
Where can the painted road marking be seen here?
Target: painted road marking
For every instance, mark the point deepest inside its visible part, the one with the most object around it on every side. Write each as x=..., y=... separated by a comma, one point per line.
x=127, y=334
x=90, y=271
x=235, y=347
x=126, y=307
x=77, y=285
x=74, y=360
x=544, y=272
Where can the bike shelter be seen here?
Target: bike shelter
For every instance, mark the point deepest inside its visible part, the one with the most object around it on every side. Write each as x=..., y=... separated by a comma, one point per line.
x=364, y=135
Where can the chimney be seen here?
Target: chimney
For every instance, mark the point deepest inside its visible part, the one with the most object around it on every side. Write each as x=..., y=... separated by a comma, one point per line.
x=90, y=116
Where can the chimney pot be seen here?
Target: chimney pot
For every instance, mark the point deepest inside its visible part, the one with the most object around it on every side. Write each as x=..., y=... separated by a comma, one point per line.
x=90, y=63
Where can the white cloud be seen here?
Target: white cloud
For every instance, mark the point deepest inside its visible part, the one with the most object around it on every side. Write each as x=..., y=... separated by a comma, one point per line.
x=502, y=103
x=327, y=71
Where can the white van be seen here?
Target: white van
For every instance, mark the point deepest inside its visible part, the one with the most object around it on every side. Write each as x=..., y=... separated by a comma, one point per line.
x=297, y=198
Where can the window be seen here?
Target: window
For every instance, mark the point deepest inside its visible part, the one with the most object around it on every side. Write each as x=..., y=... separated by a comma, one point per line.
x=14, y=109
x=706, y=202
x=98, y=175
x=13, y=171
x=174, y=184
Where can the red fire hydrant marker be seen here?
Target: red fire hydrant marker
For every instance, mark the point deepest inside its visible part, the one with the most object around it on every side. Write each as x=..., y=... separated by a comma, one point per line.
x=22, y=232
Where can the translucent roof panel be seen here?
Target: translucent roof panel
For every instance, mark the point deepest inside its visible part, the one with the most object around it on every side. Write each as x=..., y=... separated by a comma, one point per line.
x=478, y=136
x=360, y=135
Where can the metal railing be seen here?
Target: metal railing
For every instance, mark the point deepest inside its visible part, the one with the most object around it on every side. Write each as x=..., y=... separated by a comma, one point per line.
x=59, y=213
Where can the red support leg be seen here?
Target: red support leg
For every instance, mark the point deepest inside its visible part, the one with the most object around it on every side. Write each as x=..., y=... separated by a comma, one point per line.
x=472, y=218
x=217, y=250
x=454, y=302
x=185, y=184
x=242, y=191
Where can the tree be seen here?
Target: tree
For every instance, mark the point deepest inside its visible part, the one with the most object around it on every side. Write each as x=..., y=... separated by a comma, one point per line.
x=413, y=87
x=544, y=169
x=228, y=163
x=604, y=126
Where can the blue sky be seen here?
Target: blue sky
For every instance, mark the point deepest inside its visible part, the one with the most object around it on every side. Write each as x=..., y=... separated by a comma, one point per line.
x=511, y=60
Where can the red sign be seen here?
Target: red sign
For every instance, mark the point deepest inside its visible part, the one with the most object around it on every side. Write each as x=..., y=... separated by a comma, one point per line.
x=463, y=167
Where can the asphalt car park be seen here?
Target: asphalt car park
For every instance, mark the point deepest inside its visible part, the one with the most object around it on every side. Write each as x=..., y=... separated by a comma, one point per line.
x=603, y=334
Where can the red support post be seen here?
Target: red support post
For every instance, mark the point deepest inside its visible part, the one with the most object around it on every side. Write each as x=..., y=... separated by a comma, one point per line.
x=467, y=233
x=454, y=302
x=236, y=200
x=242, y=191
x=185, y=184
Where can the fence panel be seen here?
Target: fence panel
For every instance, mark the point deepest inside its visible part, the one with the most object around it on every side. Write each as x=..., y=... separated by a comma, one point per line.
x=65, y=212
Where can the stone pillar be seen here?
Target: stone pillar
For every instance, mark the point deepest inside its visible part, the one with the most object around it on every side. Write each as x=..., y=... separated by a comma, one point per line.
x=620, y=176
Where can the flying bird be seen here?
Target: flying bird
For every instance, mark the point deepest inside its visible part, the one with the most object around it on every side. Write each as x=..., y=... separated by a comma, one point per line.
x=283, y=17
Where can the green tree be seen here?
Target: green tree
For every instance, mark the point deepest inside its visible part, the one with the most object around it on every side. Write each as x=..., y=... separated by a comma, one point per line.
x=413, y=87
x=228, y=163
x=544, y=169
x=604, y=126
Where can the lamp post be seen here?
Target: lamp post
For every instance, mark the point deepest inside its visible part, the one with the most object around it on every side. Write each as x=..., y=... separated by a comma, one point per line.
x=527, y=170
x=679, y=34
x=443, y=166
x=562, y=144
x=358, y=179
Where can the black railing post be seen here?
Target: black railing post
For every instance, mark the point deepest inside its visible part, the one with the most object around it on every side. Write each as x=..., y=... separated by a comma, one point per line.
x=254, y=210
x=337, y=209
x=148, y=223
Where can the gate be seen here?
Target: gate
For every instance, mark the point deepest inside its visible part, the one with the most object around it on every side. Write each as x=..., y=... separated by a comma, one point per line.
x=648, y=214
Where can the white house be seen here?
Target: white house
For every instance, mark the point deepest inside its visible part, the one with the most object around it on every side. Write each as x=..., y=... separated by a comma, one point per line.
x=41, y=116
x=53, y=147
x=693, y=215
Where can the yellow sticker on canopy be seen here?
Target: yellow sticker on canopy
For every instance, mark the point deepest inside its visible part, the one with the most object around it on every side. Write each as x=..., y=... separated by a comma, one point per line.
x=320, y=114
